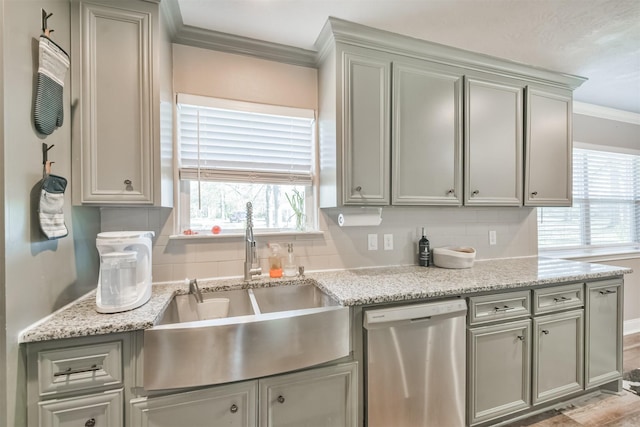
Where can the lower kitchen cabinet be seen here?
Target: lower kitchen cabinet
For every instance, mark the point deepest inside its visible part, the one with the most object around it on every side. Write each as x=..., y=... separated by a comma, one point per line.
x=230, y=405
x=557, y=355
x=603, y=332
x=95, y=410
x=79, y=381
x=499, y=380
x=317, y=397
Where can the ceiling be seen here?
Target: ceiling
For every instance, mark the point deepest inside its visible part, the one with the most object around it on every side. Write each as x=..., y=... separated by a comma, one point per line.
x=597, y=39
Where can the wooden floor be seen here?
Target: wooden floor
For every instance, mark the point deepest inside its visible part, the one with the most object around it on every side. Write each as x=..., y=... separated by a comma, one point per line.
x=602, y=410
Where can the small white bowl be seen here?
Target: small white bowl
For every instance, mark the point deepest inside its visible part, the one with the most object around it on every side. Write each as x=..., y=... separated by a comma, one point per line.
x=213, y=308
x=454, y=257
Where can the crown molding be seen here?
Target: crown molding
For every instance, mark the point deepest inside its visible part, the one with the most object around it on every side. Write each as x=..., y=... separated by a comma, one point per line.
x=351, y=33
x=231, y=43
x=598, y=111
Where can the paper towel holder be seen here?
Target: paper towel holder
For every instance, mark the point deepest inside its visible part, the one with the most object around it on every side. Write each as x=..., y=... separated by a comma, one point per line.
x=361, y=217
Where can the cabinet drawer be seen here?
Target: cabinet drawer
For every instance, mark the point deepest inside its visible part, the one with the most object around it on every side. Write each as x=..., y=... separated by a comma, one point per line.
x=94, y=410
x=558, y=298
x=79, y=368
x=489, y=308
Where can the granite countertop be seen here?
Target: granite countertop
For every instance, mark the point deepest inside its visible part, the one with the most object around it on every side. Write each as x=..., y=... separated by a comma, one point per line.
x=350, y=287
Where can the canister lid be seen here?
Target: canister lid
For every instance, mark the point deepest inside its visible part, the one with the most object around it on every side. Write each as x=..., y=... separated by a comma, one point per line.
x=125, y=234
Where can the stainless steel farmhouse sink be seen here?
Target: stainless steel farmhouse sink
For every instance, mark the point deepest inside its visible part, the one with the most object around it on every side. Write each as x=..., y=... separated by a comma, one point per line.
x=266, y=331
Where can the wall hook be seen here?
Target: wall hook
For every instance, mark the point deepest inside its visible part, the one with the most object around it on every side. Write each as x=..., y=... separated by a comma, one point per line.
x=45, y=157
x=45, y=18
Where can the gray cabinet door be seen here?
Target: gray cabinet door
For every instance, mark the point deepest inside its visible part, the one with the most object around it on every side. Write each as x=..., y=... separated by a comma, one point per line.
x=113, y=84
x=233, y=405
x=558, y=351
x=548, y=142
x=318, y=397
x=427, y=134
x=493, y=142
x=499, y=369
x=603, y=332
x=366, y=130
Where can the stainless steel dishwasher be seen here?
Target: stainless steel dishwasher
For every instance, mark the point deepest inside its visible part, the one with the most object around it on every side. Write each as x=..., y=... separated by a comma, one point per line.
x=415, y=360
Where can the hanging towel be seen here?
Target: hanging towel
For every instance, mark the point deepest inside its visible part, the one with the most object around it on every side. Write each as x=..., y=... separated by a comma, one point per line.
x=50, y=211
x=53, y=65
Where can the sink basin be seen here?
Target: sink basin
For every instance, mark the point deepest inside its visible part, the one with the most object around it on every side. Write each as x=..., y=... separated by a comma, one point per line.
x=283, y=298
x=184, y=308
x=266, y=331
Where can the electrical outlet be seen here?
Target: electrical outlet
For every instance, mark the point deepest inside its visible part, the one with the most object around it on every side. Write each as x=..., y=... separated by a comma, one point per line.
x=372, y=242
x=492, y=237
x=388, y=242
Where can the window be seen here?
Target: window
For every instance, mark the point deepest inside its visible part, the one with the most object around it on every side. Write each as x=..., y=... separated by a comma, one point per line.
x=231, y=153
x=606, y=204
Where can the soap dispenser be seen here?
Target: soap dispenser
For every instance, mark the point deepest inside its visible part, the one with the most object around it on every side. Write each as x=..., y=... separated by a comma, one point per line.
x=275, y=261
x=290, y=267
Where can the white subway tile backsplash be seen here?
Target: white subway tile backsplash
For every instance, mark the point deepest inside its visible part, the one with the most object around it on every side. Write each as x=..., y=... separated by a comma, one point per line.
x=337, y=247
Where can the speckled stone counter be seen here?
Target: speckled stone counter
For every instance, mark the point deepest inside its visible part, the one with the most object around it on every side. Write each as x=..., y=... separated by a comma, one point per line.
x=349, y=287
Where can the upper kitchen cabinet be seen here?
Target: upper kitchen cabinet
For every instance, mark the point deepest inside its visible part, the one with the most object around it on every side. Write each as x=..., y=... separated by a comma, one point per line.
x=354, y=128
x=116, y=85
x=427, y=134
x=548, y=145
x=415, y=142
x=493, y=142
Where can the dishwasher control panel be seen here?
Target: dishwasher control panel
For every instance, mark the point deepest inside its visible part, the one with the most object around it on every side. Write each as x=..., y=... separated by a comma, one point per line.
x=413, y=312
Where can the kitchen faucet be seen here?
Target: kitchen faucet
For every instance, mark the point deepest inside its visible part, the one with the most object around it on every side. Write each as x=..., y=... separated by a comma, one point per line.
x=251, y=255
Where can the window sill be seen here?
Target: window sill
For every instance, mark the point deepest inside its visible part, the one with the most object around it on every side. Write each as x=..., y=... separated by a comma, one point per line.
x=224, y=236
x=594, y=254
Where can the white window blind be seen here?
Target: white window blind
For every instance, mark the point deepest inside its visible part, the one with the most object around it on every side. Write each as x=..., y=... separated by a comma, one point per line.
x=223, y=140
x=606, y=204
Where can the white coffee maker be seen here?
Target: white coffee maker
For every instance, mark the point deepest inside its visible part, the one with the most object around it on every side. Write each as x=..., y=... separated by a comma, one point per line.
x=124, y=281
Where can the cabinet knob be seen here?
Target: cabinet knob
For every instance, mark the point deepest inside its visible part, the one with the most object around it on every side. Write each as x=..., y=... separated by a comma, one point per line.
x=358, y=188
x=129, y=187
x=91, y=422
x=534, y=193
x=234, y=408
x=545, y=331
x=475, y=193
x=520, y=337
x=451, y=192
x=280, y=399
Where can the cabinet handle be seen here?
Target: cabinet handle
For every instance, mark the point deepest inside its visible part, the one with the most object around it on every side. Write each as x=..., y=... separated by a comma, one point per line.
x=280, y=399
x=545, y=331
x=475, y=192
x=451, y=192
x=91, y=422
x=358, y=188
x=607, y=292
x=70, y=371
x=561, y=299
x=127, y=182
x=520, y=337
x=534, y=193
x=234, y=408
x=505, y=308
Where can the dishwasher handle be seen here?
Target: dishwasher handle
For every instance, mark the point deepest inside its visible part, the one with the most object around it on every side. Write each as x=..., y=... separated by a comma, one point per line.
x=386, y=317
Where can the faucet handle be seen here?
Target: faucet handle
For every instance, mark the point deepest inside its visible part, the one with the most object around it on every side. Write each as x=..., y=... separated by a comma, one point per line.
x=301, y=270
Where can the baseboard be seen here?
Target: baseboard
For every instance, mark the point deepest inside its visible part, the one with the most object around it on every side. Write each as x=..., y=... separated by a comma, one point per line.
x=631, y=326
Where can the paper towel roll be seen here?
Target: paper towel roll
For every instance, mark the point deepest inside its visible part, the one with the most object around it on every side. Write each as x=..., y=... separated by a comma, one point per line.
x=359, y=220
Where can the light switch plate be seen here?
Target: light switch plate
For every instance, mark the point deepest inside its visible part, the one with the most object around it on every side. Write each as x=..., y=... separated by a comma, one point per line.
x=372, y=242
x=492, y=237
x=388, y=242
